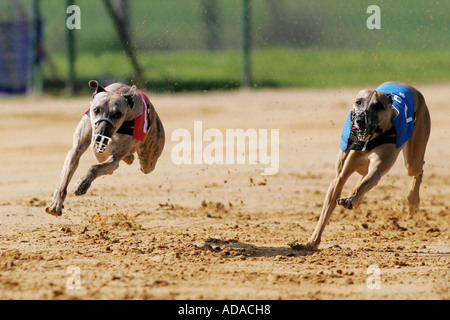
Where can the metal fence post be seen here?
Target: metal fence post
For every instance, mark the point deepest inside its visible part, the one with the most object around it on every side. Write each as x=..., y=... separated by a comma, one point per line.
x=37, y=47
x=246, y=44
x=71, y=80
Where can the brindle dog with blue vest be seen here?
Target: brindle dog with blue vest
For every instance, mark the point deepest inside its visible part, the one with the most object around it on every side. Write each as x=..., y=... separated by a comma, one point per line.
x=382, y=122
x=120, y=121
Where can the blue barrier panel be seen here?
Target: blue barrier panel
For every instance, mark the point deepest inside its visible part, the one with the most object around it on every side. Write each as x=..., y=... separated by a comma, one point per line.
x=15, y=57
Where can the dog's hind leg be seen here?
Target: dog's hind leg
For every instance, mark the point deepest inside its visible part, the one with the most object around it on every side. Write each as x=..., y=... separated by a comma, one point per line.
x=81, y=141
x=150, y=150
x=413, y=196
x=414, y=153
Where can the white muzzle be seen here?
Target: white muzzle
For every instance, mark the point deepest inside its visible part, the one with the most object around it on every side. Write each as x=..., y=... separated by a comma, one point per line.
x=100, y=143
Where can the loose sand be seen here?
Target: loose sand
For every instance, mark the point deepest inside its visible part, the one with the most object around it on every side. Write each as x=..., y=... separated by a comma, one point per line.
x=218, y=231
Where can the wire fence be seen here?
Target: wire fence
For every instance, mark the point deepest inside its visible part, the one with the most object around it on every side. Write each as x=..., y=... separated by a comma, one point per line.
x=214, y=29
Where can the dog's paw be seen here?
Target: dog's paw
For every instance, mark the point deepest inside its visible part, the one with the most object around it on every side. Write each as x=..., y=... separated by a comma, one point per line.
x=129, y=159
x=54, y=210
x=346, y=203
x=81, y=187
x=309, y=246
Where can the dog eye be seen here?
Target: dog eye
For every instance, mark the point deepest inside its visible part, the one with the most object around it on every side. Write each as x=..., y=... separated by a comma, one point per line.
x=117, y=115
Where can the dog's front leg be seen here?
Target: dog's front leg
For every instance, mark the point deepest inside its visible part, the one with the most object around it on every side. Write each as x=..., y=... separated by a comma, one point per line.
x=346, y=164
x=81, y=141
x=120, y=147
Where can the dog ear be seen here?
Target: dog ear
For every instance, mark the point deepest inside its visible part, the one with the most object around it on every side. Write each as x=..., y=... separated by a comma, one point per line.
x=130, y=95
x=94, y=84
x=389, y=96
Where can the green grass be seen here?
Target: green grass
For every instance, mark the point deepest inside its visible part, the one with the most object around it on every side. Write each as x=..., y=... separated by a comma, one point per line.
x=271, y=67
x=328, y=43
x=324, y=68
x=176, y=24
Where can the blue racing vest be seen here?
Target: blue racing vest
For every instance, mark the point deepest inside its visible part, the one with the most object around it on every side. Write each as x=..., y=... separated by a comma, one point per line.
x=403, y=102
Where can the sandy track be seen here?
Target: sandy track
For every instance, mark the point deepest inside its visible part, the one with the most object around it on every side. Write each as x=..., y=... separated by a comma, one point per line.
x=218, y=231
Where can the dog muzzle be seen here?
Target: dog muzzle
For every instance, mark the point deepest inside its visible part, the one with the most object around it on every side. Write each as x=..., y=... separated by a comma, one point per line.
x=100, y=142
x=364, y=125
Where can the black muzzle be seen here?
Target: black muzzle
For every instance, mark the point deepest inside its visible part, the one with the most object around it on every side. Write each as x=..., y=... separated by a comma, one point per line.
x=364, y=124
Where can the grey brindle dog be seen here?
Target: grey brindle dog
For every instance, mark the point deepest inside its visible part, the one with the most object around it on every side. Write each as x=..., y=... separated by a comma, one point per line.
x=112, y=109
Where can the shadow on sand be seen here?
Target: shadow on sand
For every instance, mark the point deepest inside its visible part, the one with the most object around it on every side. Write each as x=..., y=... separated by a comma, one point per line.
x=235, y=248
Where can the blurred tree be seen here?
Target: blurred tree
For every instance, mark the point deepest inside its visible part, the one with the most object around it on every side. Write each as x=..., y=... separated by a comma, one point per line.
x=119, y=13
x=122, y=11
x=288, y=27
x=210, y=18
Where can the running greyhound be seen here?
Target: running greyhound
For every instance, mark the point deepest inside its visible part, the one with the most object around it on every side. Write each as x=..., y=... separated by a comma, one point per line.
x=119, y=122
x=382, y=122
